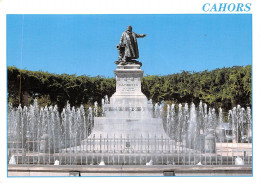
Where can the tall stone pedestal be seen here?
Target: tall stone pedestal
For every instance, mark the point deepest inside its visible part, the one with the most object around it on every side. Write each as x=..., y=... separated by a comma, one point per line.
x=129, y=113
x=128, y=87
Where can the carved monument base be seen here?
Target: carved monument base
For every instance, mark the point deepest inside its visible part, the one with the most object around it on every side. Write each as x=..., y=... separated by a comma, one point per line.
x=129, y=114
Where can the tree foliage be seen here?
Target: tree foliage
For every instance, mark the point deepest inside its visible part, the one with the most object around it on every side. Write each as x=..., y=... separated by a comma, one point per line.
x=224, y=87
x=58, y=89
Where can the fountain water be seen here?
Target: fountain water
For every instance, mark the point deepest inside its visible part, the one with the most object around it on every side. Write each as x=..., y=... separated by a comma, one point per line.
x=43, y=136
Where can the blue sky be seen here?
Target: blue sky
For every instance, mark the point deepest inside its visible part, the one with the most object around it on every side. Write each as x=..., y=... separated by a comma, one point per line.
x=86, y=44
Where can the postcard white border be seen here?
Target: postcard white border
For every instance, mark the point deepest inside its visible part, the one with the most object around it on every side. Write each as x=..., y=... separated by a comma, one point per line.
x=123, y=7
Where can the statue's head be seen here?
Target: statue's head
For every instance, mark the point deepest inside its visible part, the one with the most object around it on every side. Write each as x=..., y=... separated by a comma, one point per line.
x=129, y=28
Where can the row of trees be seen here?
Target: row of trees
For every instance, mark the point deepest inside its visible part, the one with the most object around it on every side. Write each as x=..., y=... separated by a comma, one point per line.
x=224, y=87
x=56, y=89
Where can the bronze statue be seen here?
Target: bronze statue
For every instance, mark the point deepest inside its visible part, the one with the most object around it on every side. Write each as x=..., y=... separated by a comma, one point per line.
x=128, y=47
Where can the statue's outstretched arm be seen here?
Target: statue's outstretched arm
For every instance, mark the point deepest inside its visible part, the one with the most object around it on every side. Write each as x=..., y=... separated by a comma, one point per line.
x=140, y=35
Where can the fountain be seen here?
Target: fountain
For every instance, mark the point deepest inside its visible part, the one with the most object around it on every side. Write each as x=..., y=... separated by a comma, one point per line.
x=43, y=136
